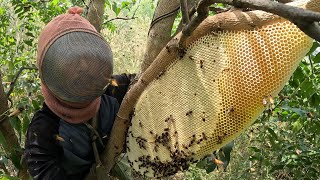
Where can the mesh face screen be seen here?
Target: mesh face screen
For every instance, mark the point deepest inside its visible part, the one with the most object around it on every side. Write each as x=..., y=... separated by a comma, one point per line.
x=77, y=67
x=211, y=95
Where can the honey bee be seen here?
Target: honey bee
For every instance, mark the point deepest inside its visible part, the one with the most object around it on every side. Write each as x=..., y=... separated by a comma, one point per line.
x=204, y=136
x=201, y=64
x=221, y=138
x=264, y=102
x=189, y=113
x=231, y=109
x=140, y=124
x=161, y=74
x=271, y=100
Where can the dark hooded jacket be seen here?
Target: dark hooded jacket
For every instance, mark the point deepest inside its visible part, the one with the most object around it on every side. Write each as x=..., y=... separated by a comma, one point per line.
x=56, y=149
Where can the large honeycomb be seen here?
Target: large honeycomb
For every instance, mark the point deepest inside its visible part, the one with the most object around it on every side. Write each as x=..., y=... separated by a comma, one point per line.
x=207, y=98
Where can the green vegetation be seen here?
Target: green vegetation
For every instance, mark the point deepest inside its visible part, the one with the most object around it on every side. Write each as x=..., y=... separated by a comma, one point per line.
x=282, y=144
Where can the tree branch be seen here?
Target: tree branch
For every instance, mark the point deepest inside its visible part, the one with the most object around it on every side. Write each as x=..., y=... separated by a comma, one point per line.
x=95, y=13
x=11, y=145
x=121, y=18
x=306, y=20
x=184, y=11
x=124, y=18
x=12, y=84
x=160, y=30
x=285, y=1
x=191, y=11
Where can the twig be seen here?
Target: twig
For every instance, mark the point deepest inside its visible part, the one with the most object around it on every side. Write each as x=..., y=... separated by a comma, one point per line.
x=86, y=7
x=122, y=18
x=125, y=18
x=311, y=64
x=285, y=1
x=219, y=10
x=184, y=11
x=134, y=13
x=12, y=84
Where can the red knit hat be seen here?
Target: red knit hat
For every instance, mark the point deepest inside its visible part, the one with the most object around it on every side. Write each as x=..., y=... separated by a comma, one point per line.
x=59, y=26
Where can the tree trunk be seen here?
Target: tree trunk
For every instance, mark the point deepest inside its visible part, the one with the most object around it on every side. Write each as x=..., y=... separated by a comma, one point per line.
x=11, y=145
x=95, y=13
x=160, y=32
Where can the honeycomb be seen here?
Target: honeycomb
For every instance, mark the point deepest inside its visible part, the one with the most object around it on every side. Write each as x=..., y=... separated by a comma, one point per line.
x=207, y=98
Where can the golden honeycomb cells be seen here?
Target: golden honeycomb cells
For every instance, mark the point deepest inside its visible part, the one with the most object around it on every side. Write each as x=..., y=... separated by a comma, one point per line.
x=211, y=95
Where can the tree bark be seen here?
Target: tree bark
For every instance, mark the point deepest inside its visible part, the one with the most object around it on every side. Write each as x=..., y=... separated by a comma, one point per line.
x=160, y=32
x=11, y=145
x=95, y=13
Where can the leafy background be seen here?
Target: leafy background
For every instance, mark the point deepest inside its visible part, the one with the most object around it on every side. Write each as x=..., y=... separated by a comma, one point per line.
x=283, y=143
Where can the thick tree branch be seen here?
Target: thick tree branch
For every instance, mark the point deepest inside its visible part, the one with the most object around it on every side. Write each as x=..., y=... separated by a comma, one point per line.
x=306, y=20
x=12, y=84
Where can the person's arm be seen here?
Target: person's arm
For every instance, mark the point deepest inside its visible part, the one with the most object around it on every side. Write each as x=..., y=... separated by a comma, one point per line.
x=42, y=150
x=119, y=91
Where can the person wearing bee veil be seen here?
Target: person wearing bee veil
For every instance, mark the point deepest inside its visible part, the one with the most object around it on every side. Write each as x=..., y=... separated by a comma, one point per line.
x=66, y=136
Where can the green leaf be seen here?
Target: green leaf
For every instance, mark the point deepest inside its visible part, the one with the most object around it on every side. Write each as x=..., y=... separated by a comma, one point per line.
x=54, y=2
x=2, y=11
x=273, y=134
x=7, y=177
x=297, y=125
x=3, y=141
x=111, y=27
x=298, y=74
x=316, y=59
x=29, y=34
x=16, y=124
x=115, y=8
x=207, y=164
x=125, y=4
x=122, y=170
x=25, y=123
x=307, y=89
x=254, y=149
x=299, y=111
x=314, y=100
x=107, y=3
x=225, y=154
x=28, y=42
x=315, y=45
x=35, y=104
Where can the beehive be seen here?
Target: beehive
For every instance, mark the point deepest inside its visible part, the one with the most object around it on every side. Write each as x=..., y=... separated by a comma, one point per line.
x=207, y=98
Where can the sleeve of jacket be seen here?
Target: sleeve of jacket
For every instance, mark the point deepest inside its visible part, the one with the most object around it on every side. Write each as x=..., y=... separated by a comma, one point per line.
x=42, y=151
x=119, y=89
